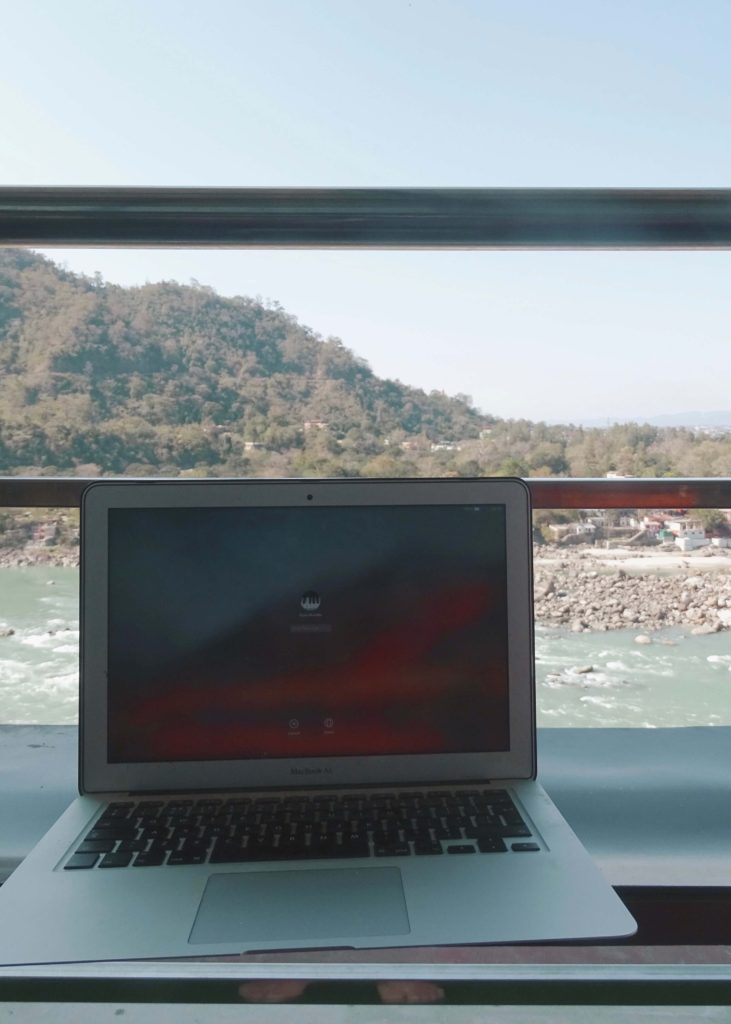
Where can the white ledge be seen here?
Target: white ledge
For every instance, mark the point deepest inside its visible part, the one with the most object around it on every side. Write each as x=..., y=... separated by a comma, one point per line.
x=645, y=802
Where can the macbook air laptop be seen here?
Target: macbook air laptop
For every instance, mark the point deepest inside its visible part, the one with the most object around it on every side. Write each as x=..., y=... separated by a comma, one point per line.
x=307, y=720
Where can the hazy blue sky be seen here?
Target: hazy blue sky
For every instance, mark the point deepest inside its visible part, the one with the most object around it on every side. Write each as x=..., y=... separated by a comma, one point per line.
x=410, y=92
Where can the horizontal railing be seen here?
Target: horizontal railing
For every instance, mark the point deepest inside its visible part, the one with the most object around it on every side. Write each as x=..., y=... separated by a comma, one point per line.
x=437, y=218
x=468, y=985
x=548, y=492
x=368, y=218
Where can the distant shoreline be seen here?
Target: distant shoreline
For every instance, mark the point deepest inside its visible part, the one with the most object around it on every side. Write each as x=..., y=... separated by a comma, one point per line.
x=595, y=589
x=33, y=555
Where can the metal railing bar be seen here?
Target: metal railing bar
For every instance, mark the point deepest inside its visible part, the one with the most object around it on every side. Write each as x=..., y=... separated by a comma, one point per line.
x=232, y=969
x=517, y=984
x=335, y=218
x=660, y=493
x=546, y=493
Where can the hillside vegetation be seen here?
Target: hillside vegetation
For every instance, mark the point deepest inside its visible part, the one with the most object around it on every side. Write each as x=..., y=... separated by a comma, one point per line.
x=172, y=379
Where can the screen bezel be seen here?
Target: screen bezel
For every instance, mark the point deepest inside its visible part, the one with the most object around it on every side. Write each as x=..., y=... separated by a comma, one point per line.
x=98, y=775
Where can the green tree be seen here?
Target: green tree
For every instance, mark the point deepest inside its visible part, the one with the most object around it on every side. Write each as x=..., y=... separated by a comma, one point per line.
x=714, y=521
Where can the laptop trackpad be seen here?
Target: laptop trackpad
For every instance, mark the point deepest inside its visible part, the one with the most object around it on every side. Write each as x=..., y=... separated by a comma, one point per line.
x=263, y=906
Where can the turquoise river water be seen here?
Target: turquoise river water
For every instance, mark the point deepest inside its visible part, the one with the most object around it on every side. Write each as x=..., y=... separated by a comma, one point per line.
x=585, y=679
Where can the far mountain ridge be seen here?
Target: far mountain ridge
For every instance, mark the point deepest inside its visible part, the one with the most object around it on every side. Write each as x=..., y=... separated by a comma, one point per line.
x=697, y=418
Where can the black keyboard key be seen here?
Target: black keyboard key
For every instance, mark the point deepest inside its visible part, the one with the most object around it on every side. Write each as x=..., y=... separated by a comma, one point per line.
x=455, y=822
x=151, y=809
x=152, y=832
x=350, y=850
x=188, y=857
x=511, y=831
x=174, y=840
x=320, y=846
x=462, y=848
x=447, y=833
x=502, y=831
x=110, y=817
x=115, y=830
x=132, y=846
x=194, y=846
x=97, y=846
x=392, y=850
x=235, y=806
x=215, y=831
x=294, y=851
x=524, y=847
x=487, y=821
x=490, y=828
x=115, y=860
x=162, y=845
x=228, y=853
x=81, y=860
x=153, y=858
x=425, y=848
x=491, y=844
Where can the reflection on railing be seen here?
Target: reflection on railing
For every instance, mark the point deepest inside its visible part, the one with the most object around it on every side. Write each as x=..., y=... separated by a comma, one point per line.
x=569, y=982
x=551, y=492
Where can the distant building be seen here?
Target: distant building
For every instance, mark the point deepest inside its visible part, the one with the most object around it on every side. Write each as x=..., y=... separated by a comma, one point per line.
x=652, y=523
x=689, y=534
x=561, y=530
x=629, y=522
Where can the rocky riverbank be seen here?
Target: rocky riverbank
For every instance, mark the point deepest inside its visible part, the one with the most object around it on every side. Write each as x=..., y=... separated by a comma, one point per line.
x=592, y=589
x=64, y=552
x=33, y=537
x=22, y=558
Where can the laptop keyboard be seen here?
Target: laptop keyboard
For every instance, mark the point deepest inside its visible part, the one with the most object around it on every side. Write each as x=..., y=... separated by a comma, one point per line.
x=212, y=830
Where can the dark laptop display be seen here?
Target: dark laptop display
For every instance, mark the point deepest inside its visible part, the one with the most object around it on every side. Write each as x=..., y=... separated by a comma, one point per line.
x=284, y=632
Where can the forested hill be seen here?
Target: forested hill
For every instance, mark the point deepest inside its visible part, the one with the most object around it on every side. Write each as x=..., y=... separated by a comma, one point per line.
x=171, y=379
x=174, y=377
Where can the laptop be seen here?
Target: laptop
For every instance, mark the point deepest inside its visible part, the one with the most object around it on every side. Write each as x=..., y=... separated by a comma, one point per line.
x=307, y=721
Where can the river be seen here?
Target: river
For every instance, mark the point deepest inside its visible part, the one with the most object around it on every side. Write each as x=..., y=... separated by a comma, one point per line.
x=584, y=679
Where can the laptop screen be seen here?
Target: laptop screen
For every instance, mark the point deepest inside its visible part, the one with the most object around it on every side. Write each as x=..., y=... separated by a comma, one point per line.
x=248, y=632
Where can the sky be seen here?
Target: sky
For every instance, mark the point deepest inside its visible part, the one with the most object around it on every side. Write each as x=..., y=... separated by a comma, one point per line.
x=413, y=93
